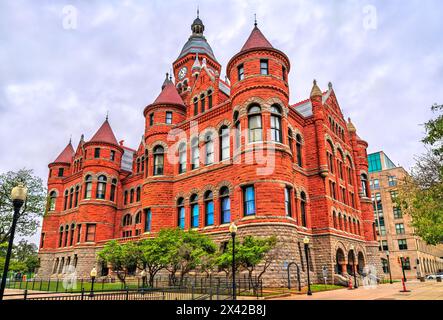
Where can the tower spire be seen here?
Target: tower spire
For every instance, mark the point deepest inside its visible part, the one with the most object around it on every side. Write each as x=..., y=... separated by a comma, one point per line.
x=198, y=12
x=255, y=20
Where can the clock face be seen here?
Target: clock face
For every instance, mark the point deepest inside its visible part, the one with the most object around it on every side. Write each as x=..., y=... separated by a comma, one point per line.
x=182, y=73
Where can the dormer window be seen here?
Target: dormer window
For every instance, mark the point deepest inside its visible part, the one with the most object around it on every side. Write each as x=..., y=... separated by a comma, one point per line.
x=264, y=67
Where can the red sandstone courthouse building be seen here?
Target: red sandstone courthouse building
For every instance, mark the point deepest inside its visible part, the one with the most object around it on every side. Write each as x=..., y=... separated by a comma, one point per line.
x=215, y=152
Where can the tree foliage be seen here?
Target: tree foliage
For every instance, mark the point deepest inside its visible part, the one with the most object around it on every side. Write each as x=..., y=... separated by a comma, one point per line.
x=121, y=257
x=23, y=258
x=421, y=194
x=31, y=211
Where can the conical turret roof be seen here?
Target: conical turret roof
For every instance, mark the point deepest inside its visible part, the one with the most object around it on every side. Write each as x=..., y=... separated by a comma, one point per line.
x=169, y=95
x=256, y=40
x=104, y=134
x=66, y=155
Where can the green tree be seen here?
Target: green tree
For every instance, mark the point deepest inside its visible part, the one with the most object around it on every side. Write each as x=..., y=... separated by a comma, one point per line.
x=120, y=257
x=26, y=252
x=31, y=211
x=154, y=255
x=223, y=260
x=421, y=194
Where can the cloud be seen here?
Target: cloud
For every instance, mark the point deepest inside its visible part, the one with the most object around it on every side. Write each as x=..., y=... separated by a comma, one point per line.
x=57, y=82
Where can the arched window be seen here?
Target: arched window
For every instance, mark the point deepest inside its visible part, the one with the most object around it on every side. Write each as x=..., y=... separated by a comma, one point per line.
x=194, y=210
x=209, y=149
x=334, y=219
x=202, y=103
x=138, y=194
x=142, y=164
x=65, y=243
x=125, y=201
x=358, y=227
x=101, y=187
x=60, y=236
x=276, y=123
x=66, y=199
x=209, y=99
x=158, y=160
x=195, y=106
x=77, y=193
x=345, y=223
x=340, y=221
x=255, y=124
x=299, y=150
x=113, y=188
x=329, y=156
x=303, y=208
x=127, y=220
x=181, y=213
x=138, y=165
x=195, y=153
x=138, y=217
x=364, y=184
x=288, y=204
x=290, y=141
x=182, y=158
x=71, y=197
x=88, y=187
x=71, y=236
x=131, y=196
x=224, y=143
x=52, y=199
x=237, y=131
x=209, y=208
x=225, y=205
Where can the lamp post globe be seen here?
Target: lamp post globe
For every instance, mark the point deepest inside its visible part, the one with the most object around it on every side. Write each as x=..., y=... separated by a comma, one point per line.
x=306, y=243
x=93, y=274
x=233, y=231
x=18, y=197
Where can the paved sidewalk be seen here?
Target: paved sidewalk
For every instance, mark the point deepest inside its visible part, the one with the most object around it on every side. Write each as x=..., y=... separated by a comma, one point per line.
x=429, y=290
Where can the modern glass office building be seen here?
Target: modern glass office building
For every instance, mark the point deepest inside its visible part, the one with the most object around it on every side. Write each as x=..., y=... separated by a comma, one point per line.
x=379, y=161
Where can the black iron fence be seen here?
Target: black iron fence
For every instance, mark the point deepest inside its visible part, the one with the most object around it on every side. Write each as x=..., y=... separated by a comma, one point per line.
x=136, y=288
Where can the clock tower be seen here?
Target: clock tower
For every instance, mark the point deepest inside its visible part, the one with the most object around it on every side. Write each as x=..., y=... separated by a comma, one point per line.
x=195, y=54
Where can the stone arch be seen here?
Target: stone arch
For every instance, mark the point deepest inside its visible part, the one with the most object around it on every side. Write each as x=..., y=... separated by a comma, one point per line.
x=227, y=184
x=208, y=187
x=360, y=261
x=267, y=105
x=56, y=192
x=156, y=143
x=339, y=150
x=193, y=191
x=206, y=131
x=296, y=132
x=340, y=260
x=348, y=158
x=224, y=122
x=331, y=141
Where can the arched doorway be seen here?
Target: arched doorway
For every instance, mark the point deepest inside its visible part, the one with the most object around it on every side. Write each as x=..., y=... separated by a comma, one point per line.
x=340, y=261
x=361, y=262
x=351, y=261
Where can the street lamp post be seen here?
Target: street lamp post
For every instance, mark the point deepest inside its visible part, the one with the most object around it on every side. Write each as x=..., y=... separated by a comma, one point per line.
x=353, y=267
x=389, y=267
x=233, y=231
x=403, y=281
x=306, y=243
x=18, y=196
x=93, y=274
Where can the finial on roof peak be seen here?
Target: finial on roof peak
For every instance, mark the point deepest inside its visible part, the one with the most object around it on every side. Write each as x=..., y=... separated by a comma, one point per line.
x=70, y=139
x=315, y=92
x=330, y=85
x=350, y=125
x=107, y=115
x=82, y=137
x=255, y=20
x=198, y=12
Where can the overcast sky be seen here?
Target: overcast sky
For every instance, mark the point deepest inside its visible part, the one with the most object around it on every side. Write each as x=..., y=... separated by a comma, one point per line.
x=64, y=65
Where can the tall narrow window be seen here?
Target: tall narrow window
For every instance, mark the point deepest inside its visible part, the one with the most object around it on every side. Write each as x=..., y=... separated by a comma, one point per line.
x=113, y=188
x=181, y=213
x=158, y=160
x=112, y=155
x=303, y=208
x=209, y=99
x=182, y=158
x=194, y=211
x=77, y=193
x=264, y=67
x=288, y=204
x=168, y=117
x=209, y=149
x=66, y=236
x=88, y=187
x=290, y=141
x=71, y=197
x=283, y=73
x=90, y=232
x=101, y=187
x=138, y=194
x=195, y=153
x=224, y=143
x=60, y=236
x=71, y=236
x=138, y=218
x=276, y=124
x=209, y=208
x=237, y=131
x=240, y=72
x=142, y=164
x=364, y=184
x=97, y=153
x=255, y=123
x=42, y=240
x=79, y=233
x=125, y=200
x=225, y=205
x=52, y=199
x=151, y=119
x=195, y=106
x=66, y=199
x=60, y=172
x=131, y=196
x=148, y=220
x=298, y=146
x=248, y=200
x=202, y=103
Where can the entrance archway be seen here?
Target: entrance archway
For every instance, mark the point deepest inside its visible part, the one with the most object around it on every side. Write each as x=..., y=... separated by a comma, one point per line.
x=361, y=262
x=340, y=261
x=351, y=261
